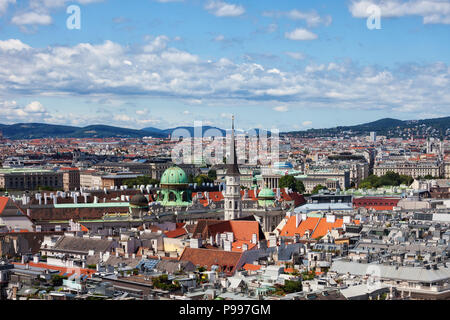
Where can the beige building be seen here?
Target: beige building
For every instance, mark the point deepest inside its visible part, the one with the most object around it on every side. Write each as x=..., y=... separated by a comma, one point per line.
x=30, y=179
x=410, y=168
x=90, y=180
x=71, y=179
x=447, y=170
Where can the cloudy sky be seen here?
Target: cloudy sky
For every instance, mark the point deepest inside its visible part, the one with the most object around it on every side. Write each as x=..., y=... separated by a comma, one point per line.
x=285, y=64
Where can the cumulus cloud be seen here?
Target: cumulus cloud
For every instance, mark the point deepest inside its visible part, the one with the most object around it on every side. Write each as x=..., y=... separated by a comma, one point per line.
x=164, y=72
x=300, y=34
x=33, y=18
x=223, y=9
x=13, y=45
x=432, y=11
x=38, y=12
x=11, y=111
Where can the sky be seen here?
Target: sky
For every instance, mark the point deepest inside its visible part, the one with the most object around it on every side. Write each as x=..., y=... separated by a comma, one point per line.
x=287, y=65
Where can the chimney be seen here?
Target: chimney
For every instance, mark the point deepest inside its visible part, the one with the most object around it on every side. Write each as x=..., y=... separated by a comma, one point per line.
x=298, y=219
x=254, y=238
x=227, y=245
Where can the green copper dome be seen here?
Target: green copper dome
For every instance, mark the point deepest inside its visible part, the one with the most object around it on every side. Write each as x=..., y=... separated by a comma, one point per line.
x=174, y=175
x=266, y=193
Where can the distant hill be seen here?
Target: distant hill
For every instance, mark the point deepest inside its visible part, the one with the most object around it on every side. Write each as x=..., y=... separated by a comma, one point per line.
x=180, y=130
x=39, y=131
x=206, y=130
x=388, y=127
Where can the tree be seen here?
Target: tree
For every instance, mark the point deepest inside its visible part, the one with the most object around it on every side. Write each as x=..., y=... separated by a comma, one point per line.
x=318, y=188
x=300, y=186
x=141, y=180
x=212, y=174
x=389, y=179
x=290, y=182
x=287, y=182
x=202, y=178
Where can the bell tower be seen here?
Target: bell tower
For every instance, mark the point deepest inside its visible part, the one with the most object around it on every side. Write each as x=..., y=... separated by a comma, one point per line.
x=232, y=197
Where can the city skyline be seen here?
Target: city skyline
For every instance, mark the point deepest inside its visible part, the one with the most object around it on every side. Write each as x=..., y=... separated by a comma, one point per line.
x=164, y=64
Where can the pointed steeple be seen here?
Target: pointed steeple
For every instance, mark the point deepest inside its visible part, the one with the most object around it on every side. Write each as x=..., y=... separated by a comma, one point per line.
x=232, y=166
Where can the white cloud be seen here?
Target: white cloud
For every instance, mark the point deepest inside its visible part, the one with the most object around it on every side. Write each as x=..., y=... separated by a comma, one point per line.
x=34, y=107
x=141, y=112
x=33, y=18
x=281, y=109
x=11, y=111
x=13, y=45
x=296, y=55
x=300, y=34
x=432, y=11
x=4, y=5
x=38, y=12
x=306, y=123
x=312, y=18
x=223, y=9
x=98, y=70
x=122, y=118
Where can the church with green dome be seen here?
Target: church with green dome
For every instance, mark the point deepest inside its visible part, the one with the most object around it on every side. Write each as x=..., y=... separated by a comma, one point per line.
x=174, y=188
x=266, y=197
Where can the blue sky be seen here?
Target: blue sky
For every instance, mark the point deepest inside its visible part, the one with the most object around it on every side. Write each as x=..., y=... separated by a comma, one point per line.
x=290, y=65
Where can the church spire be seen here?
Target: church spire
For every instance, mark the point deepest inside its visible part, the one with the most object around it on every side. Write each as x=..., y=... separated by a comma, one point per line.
x=232, y=167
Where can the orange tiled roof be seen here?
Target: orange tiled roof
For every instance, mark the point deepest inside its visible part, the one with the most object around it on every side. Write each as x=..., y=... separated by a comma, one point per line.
x=176, y=233
x=226, y=260
x=237, y=245
x=62, y=270
x=251, y=267
x=3, y=202
x=318, y=227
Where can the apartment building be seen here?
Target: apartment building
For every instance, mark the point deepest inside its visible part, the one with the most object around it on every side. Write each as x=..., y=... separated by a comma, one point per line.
x=410, y=168
x=30, y=179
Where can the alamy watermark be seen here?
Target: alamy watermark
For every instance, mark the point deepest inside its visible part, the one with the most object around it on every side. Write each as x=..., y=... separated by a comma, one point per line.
x=74, y=20
x=374, y=19
x=212, y=146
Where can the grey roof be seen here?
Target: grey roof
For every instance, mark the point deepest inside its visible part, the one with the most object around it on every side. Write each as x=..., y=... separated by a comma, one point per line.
x=391, y=272
x=130, y=262
x=361, y=290
x=78, y=244
x=171, y=266
x=323, y=207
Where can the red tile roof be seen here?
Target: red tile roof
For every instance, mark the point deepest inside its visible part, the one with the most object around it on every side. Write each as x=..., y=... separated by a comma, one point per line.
x=3, y=202
x=242, y=230
x=62, y=270
x=251, y=267
x=176, y=233
x=318, y=227
x=226, y=260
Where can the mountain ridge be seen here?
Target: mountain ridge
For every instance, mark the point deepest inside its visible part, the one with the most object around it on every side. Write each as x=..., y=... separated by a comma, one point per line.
x=385, y=126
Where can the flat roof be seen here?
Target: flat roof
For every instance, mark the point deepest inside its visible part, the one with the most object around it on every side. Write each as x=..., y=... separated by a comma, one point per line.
x=25, y=170
x=91, y=205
